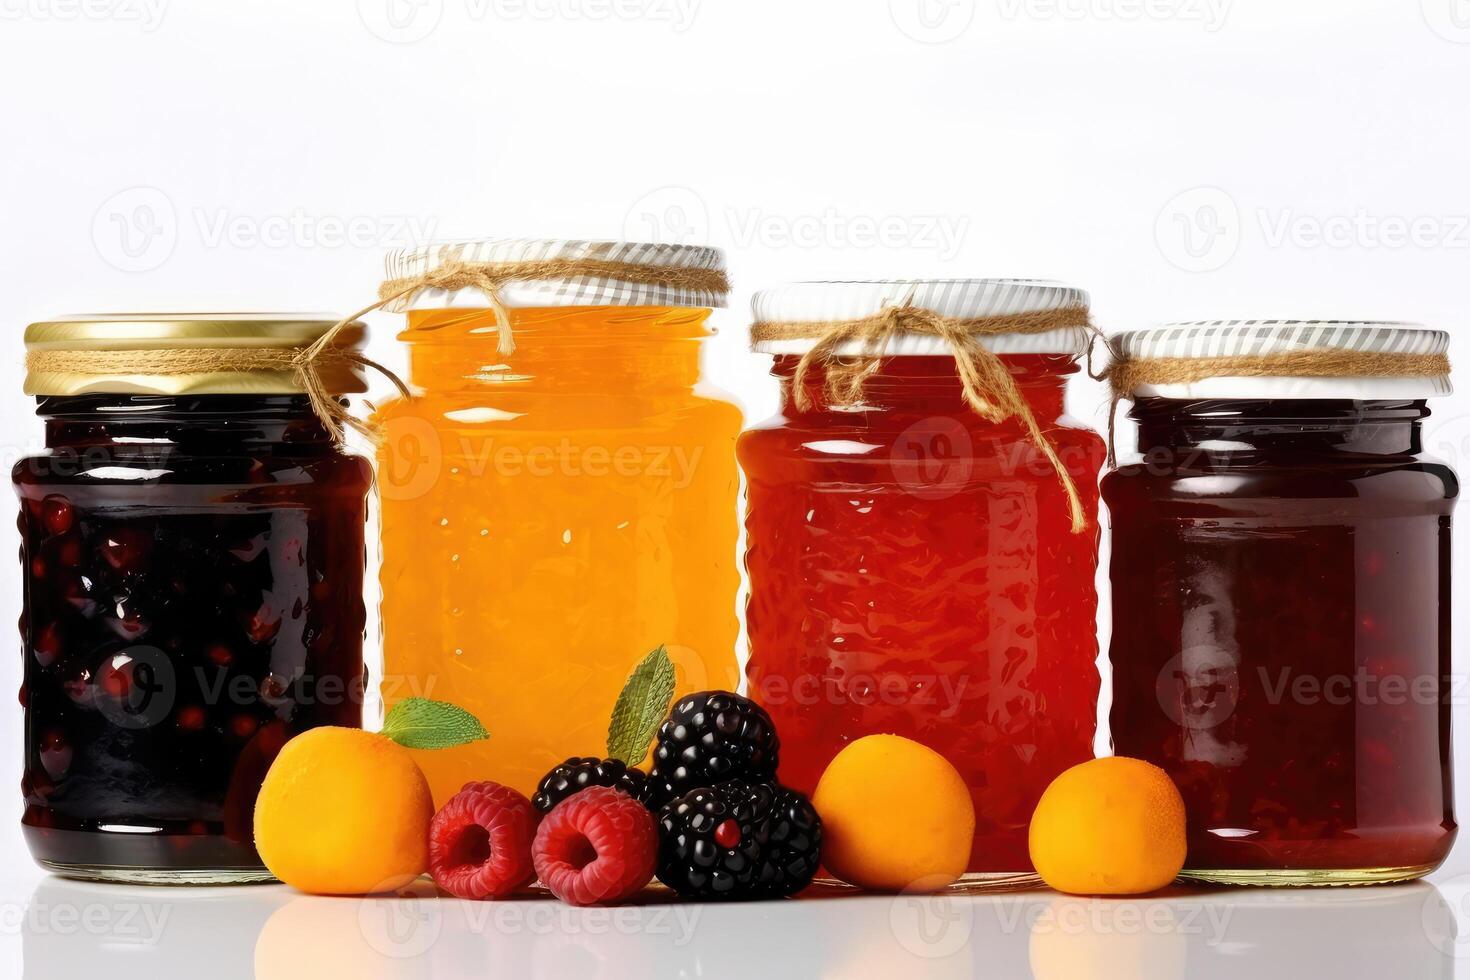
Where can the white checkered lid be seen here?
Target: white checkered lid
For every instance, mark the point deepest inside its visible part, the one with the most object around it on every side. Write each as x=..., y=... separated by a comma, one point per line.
x=580, y=291
x=958, y=298
x=1231, y=338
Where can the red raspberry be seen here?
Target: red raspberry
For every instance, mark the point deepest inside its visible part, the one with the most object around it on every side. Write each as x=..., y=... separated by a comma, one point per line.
x=480, y=842
x=597, y=847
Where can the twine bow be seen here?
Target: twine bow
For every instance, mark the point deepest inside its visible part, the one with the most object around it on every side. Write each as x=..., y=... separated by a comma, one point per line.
x=989, y=389
x=453, y=273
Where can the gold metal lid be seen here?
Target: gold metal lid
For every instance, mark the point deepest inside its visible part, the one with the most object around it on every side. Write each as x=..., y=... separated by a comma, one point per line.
x=70, y=339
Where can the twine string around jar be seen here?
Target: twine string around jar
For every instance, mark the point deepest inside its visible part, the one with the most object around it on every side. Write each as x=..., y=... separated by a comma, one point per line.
x=454, y=273
x=987, y=384
x=305, y=363
x=1125, y=375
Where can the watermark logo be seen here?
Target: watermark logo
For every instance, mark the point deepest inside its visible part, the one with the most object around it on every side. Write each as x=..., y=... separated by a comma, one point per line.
x=136, y=230
x=402, y=925
x=1445, y=916
x=1449, y=440
x=941, y=234
x=147, y=14
x=1199, y=688
x=1450, y=19
x=1210, y=14
x=933, y=459
x=116, y=923
x=932, y=21
x=400, y=21
x=932, y=926
x=413, y=458
x=681, y=216
x=1199, y=230
x=673, y=215
x=410, y=21
x=138, y=687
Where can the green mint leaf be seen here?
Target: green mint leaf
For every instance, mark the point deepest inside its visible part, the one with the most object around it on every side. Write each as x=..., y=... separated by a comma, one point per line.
x=418, y=723
x=641, y=707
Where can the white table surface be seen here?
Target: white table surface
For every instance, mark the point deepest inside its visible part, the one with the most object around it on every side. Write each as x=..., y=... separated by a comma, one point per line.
x=59, y=930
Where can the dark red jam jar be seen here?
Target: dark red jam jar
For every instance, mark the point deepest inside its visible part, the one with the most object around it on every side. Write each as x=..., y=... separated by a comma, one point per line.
x=1281, y=600
x=192, y=551
x=913, y=567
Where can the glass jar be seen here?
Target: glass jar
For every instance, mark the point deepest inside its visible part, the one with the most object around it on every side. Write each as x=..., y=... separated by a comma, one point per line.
x=551, y=515
x=1281, y=604
x=192, y=551
x=913, y=568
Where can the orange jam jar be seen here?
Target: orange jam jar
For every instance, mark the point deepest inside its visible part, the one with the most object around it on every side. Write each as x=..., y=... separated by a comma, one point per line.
x=551, y=514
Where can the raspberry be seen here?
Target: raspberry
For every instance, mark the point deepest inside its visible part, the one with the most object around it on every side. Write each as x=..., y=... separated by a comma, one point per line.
x=480, y=842
x=597, y=847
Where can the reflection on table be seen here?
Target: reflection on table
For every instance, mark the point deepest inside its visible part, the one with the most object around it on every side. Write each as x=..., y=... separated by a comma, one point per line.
x=73, y=929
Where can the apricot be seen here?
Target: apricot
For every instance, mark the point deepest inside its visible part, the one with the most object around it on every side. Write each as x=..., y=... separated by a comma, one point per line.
x=1111, y=826
x=896, y=816
x=344, y=812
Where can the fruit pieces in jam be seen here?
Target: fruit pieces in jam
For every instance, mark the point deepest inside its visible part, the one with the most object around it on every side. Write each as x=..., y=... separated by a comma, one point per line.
x=184, y=616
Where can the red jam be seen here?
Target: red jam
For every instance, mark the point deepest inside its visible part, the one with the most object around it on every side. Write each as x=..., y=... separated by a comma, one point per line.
x=192, y=571
x=913, y=572
x=1281, y=606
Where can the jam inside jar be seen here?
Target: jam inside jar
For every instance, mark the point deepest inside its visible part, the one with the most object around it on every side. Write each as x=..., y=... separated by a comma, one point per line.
x=192, y=598
x=1281, y=603
x=913, y=571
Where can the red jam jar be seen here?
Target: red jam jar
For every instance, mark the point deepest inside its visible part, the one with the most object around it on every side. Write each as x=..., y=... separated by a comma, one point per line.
x=913, y=568
x=1281, y=597
x=192, y=543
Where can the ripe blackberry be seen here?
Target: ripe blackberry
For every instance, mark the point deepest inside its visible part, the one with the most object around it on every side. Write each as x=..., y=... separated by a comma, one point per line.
x=739, y=840
x=711, y=737
x=793, y=845
x=578, y=774
x=712, y=841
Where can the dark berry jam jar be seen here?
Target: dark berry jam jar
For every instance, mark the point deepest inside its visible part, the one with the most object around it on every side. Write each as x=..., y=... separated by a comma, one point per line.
x=1281, y=598
x=193, y=558
x=913, y=567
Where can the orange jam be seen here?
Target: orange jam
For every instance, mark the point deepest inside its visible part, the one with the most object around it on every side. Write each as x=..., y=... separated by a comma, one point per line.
x=549, y=516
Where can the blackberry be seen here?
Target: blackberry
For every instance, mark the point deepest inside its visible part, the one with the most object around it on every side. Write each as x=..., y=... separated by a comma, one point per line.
x=739, y=840
x=575, y=775
x=793, y=845
x=711, y=737
x=712, y=841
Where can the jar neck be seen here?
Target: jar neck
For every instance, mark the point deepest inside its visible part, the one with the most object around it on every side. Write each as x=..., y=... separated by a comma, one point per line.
x=203, y=424
x=929, y=384
x=1267, y=426
x=579, y=348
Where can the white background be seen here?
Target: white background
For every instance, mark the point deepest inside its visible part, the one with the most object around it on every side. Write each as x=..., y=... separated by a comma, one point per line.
x=1181, y=159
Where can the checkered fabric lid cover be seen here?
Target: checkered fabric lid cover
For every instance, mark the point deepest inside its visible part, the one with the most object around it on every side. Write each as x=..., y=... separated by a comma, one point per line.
x=578, y=291
x=1232, y=338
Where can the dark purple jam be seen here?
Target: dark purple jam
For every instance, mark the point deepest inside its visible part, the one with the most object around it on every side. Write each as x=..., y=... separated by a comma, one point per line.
x=193, y=598
x=1281, y=634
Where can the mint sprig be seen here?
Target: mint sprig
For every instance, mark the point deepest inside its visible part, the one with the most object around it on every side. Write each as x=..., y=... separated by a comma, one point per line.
x=640, y=708
x=419, y=723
